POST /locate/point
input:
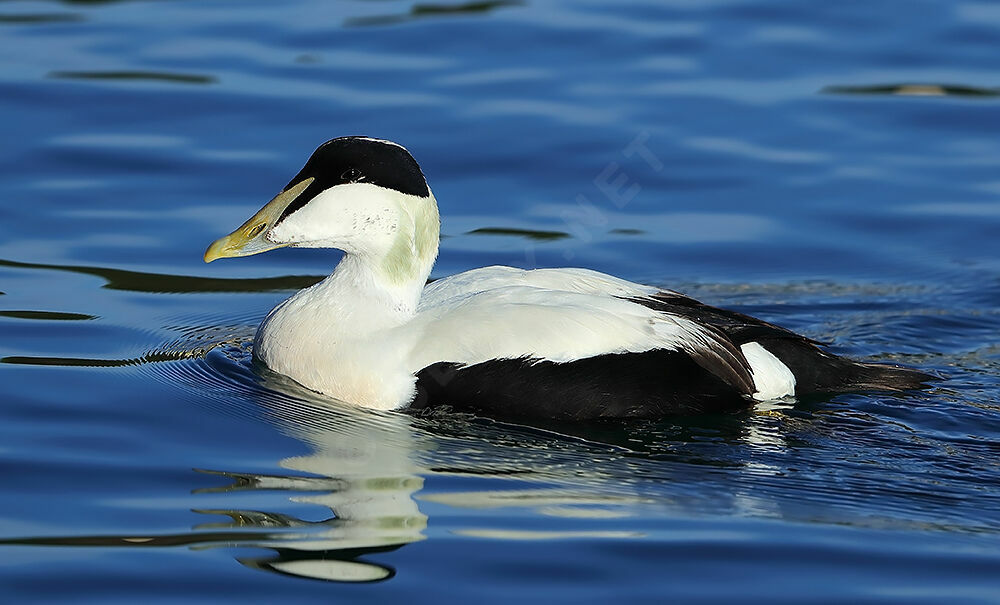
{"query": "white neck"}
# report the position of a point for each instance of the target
(322, 336)
(360, 284)
(380, 284)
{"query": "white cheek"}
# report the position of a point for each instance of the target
(353, 217)
(384, 222)
(279, 234)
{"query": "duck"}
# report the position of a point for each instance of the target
(568, 344)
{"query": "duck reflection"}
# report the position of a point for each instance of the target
(361, 469)
(370, 473)
(367, 468)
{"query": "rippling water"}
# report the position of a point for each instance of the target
(832, 167)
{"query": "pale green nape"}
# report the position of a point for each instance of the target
(414, 248)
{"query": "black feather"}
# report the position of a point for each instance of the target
(358, 159)
(737, 327)
(616, 385)
(815, 370)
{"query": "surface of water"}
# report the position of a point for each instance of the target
(832, 167)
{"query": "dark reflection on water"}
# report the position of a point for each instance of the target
(92, 2)
(39, 18)
(152, 76)
(46, 315)
(418, 11)
(532, 234)
(134, 281)
(88, 363)
(914, 90)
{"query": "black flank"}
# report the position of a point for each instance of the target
(616, 385)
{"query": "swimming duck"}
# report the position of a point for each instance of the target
(569, 344)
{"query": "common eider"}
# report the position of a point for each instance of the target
(570, 344)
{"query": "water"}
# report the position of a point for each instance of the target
(828, 166)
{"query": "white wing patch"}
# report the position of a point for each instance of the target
(772, 379)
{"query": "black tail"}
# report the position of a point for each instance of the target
(883, 377)
(817, 371)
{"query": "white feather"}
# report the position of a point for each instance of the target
(772, 379)
(543, 324)
(585, 281)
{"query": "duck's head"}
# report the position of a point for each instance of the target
(361, 195)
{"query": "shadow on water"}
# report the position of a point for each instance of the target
(531, 234)
(45, 315)
(419, 11)
(93, 2)
(162, 283)
(135, 75)
(88, 362)
(40, 18)
(913, 89)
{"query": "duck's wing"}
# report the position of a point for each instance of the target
(534, 325)
(740, 328)
(583, 281)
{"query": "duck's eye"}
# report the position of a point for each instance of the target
(256, 229)
(351, 175)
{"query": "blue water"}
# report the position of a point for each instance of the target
(832, 167)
